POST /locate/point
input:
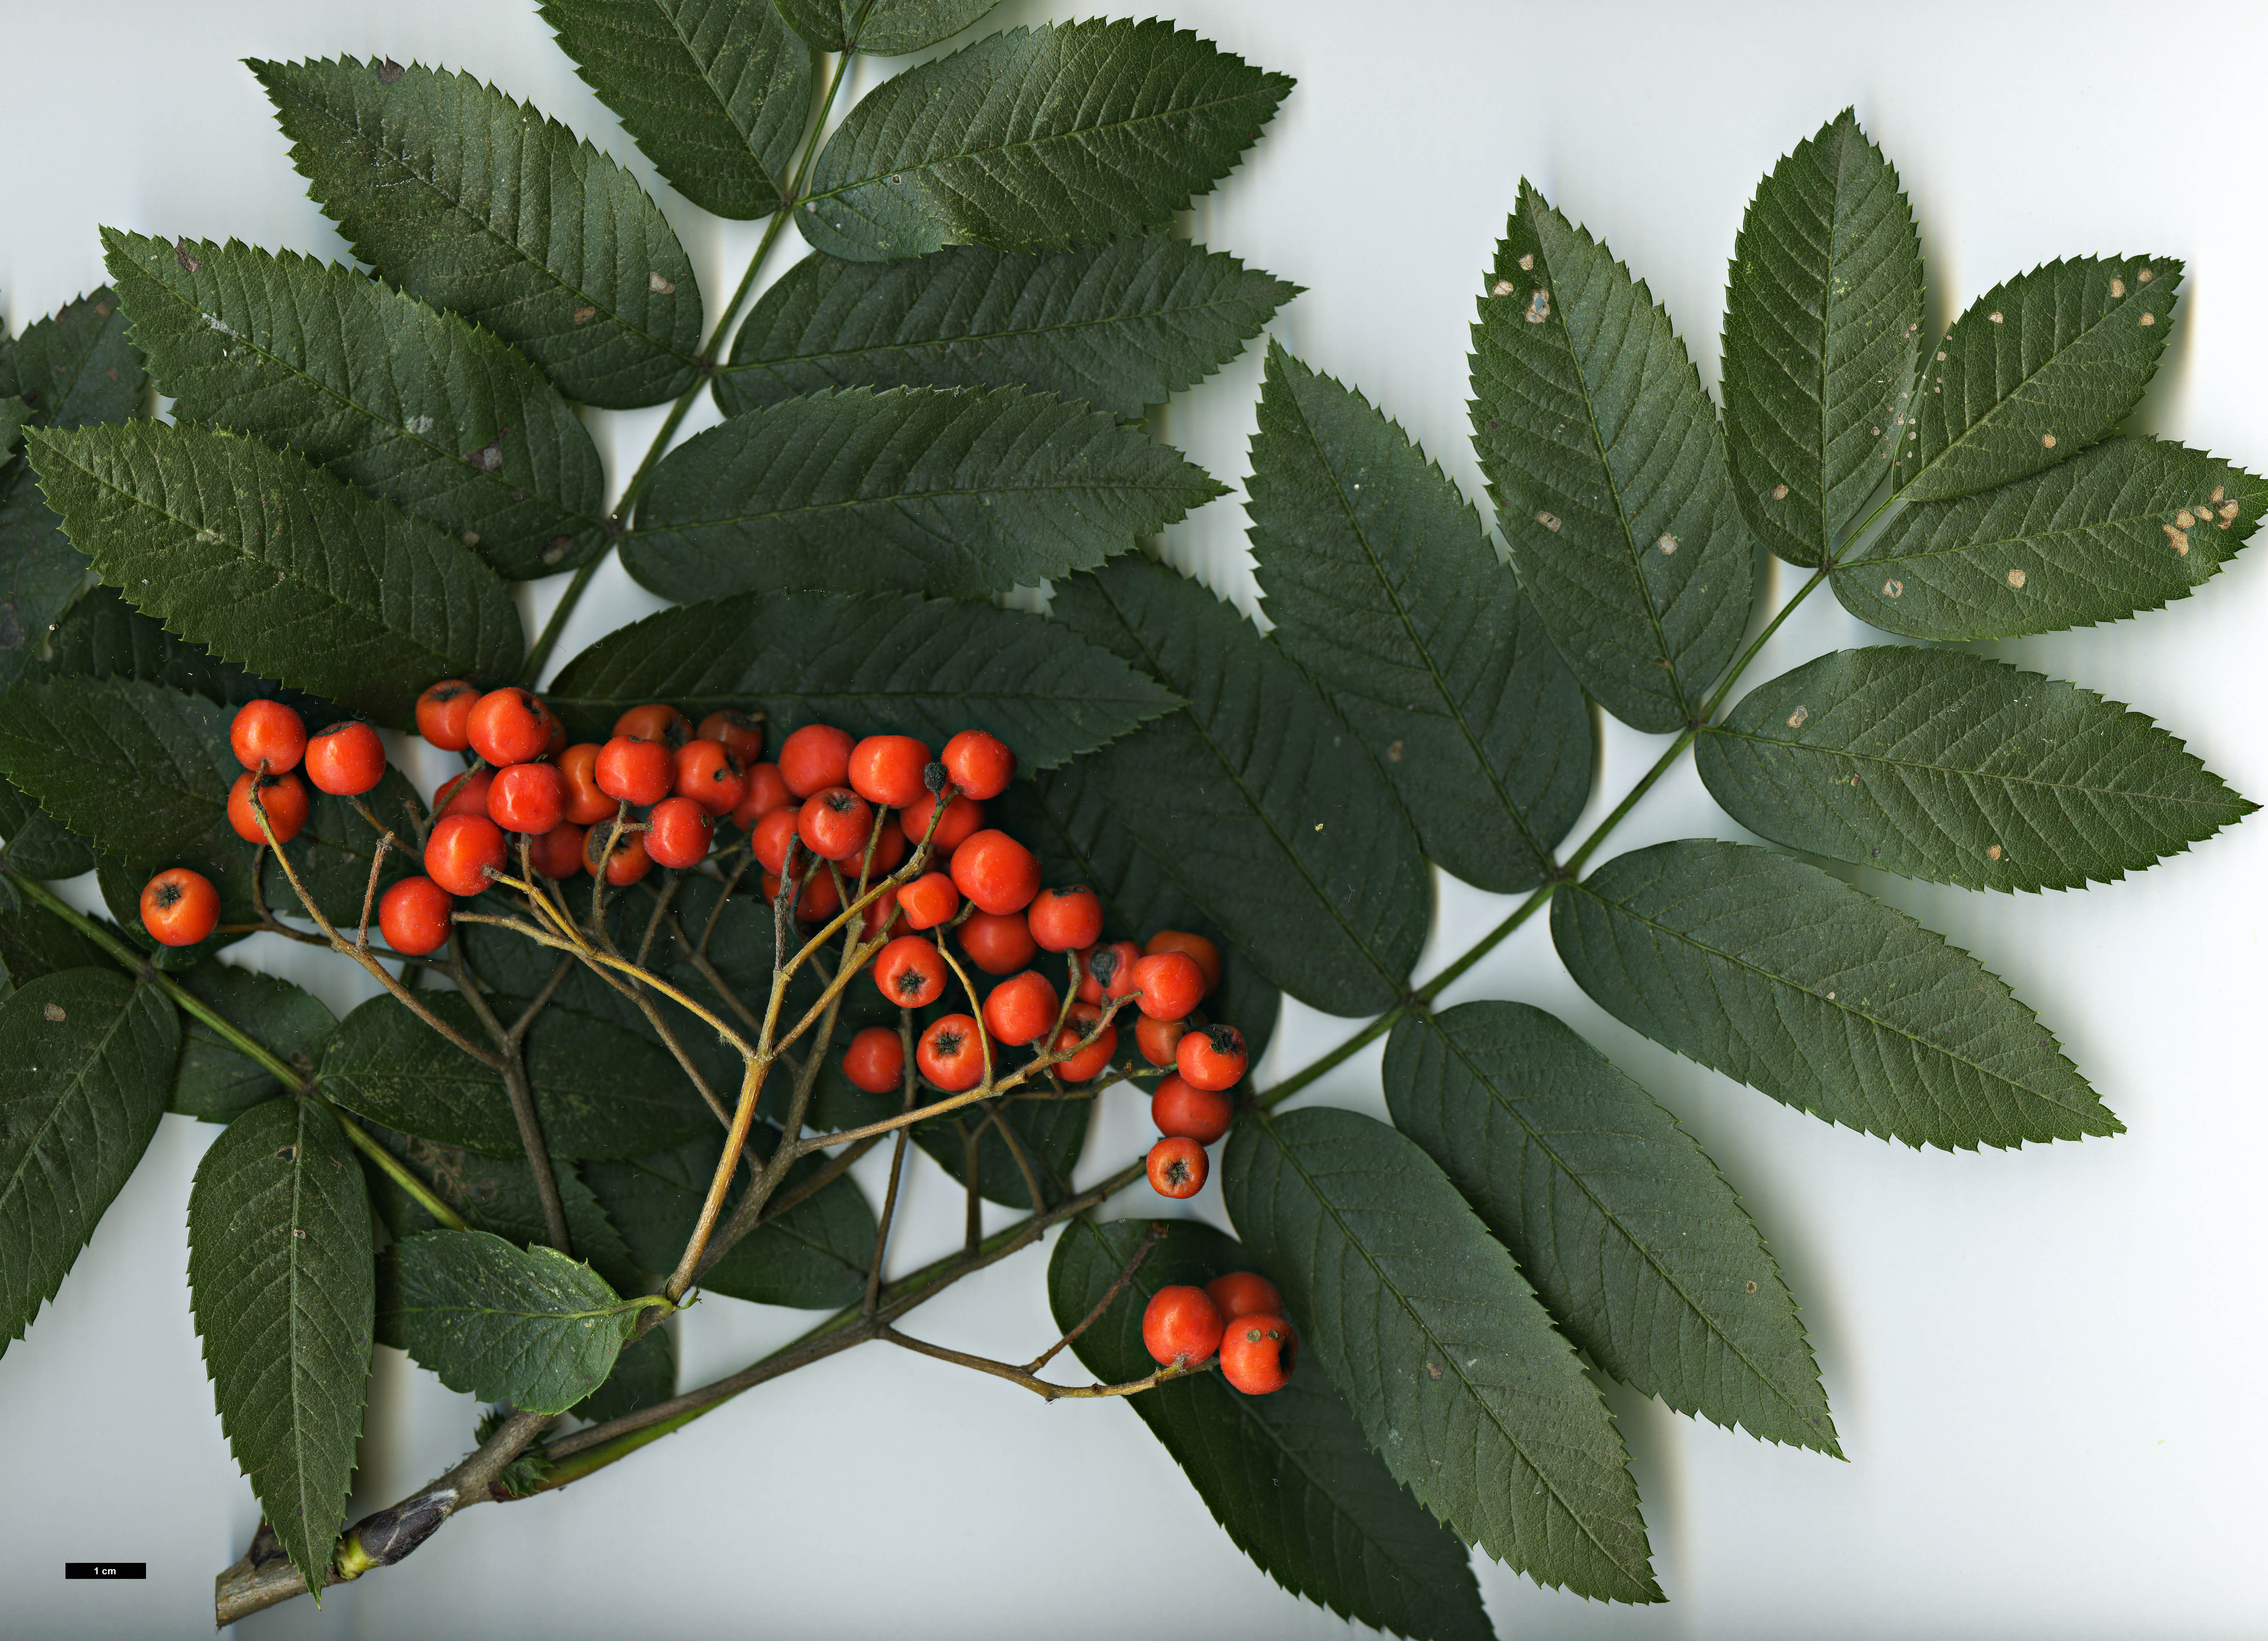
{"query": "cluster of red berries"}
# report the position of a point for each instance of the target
(1240, 1316)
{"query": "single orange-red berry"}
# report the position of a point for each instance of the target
(929, 900)
(951, 1053)
(771, 839)
(711, 776)
(1021, 1010)
(1177, 1167)
(1180, 1111)
(462, 851)
(875, 1061)
(979, 764)
(1170, 984)
(267, 732)
(998, 945)
(466, 794)
(887, 769)
(346, 760)
(626, 865)
(816, 756)
(678, 833)
(180, 906)
(1258, 1352)
(962, 818)
(1081, 1020)
(1182, 1324)
(1107, 972)
(509, 726)
(412, 916)
(558, 853)
(528, 798)
(1205, 954)
(1245, 1293)
(834, 822)
(764, 793)
(742, 732)
(578, 767)
(996, 872)
(910, 972)
(1158, 1039)
(284, 797)
(1213, 1058)
(635, 771)
(1064, 920)
(443, 712)
(659, 722)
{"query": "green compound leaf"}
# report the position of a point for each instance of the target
(1823, 321)
(1288, 1476)
(1606, 466)
(1385, 590)
(1264, 806)
(1426, 1326)
(280, 1280)
(36, 843)
(600, 1091)
(85, 1058)
(813, 1257)
(1036, 140)
(1639, 1248)
(1122, 326)
(412, 404)
(715, 92)
(1959, 769)
(2132, 524)
(2039, 368)
(961, 492)
(527, 1325)
(271, 563)
(1797, 984)
(919, 666)
(881, 28)
(213, 1080)
(1064, 817)
(476, 203)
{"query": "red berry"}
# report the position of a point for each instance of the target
(1182, 1111)
(283, 795)
(1021, 1011)
(1258, 1352)
(509, 726)
(765, 792)
(659, 723)
(1158, 1039)
(1245, 1293)
(875, 1061)
(554, 738)
(1212, 1058)
(1066, 919)
(951, 1054)
(443, 711)
(980, 765)
(180, 906)
(960, 819)
(678, 833)
(834, 823)
(742, 732)
(1107, 972)
(816, 903)
(578, 767)
(626, 865)
(996, 872)
(910, 972)
(346, 760)
(710, 775)
(1088, 1061)
(887, 769)
(817, 755)
(929, 900)
(771, 838)
(1177, 1167)
(1195, 946)
(998, 945)
(1170, 983)
(639, 772)
(269, 730)
(557, 854)
(462, 851)
(466, 794)
(413, 915)
(1181, 1324)
(528, 798)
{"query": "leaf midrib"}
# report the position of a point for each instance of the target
(1536, 1138)
(1541, 855)
(1456, 1367)
(1585, 888)
(497, 480)
(1236, 778)
(404, 164)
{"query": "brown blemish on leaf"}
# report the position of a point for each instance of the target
(189, 264)
(2146, 276)
(1993, 853)
(1393, 753)
(2218, 492)
(1432, 1371)
(54, 1012)
(1527, 263)
(585, 315)
(1548, 521)
(2228, 514)
(1893, 589)
(1667, 544)
(2117, 286)
(2184, 518)
(556, 549)
(1994, 316)
(2181, 543)
(1539, 307)
(1502, 288)
(659, 286)
(471, 538)
(288, 1153)
(1795, 719)
(2015, 577)
(2047, 441)
(1751, 1287)
(2148, 319)
(389, 72)
(1779, 492)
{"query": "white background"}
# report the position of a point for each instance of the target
(2043, 1364)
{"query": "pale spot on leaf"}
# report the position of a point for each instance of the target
(1993, 853)
(1549, 522)
(1539, 307)
(1795, 719)
(2117, 286)
(1502, 288)
(2146, 276)
(2184, 518)
(1893, 589)
(1779, 492)
(1393, 753)
(2047, 441)
(2179, 541)
(585, 315)
(1994, 316)
(2148, 319)
(54, 1012)
(659, 286)
(1527, 263)
(1667, 544)
(2015, 577)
